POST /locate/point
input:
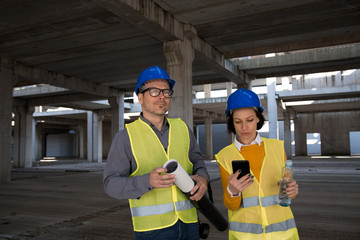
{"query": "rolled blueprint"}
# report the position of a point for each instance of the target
(204, 205)
(182, 178)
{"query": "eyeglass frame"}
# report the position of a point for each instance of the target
(159, 91)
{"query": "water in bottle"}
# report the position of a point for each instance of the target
(287, 177)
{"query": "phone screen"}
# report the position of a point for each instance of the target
(242, 165)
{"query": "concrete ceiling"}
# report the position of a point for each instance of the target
(100, 46)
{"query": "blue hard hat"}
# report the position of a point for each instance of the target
(243, 98)
(152, 73)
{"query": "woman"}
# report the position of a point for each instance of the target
(252, 202)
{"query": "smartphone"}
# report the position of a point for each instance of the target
(242, 165)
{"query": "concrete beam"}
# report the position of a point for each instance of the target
(146, 16)
(60, 99)
(319, 93)
(214, 59)
(244, 50)
(310, 61)
(38, 76)
(152, 19)
(58, 113)
(333, 105)
(61, 120)
(302, 57)
(210, 100)
(213, 115)
(38, 90)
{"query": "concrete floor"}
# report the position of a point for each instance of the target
(66, 201)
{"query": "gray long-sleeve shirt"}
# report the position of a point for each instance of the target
(121, 163)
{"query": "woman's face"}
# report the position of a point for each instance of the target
(245, 123)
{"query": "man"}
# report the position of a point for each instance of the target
(134, 166)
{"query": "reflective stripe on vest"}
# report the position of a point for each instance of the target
(257, 228)
(270, 201)
(281, 226)
(254, 201)
(160, 209)
(246, 227)
(184, 205)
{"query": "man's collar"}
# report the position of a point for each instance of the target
(150, 124)
(239, 145)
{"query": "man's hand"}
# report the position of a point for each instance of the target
(199, 189)
(159, 180)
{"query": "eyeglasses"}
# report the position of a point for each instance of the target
(154, 92)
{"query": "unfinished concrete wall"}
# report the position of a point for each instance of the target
(325, 80)
(334, 129)
(43, 129)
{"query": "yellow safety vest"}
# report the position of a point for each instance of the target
(260, 216)
(161, 207)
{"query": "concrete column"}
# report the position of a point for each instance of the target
(207, 90)
(6, 81)
(38, 141)
(300, 140)
(272, 107)
(29, 137)
(20, 136)
(24, 137)
(208, 138)
(228, 88)
(81, 141)
(90, 136)
(99, 138)
(95, 137)
(77, 142)
(230, 137)
(16, 138)
(43, 140)
(180, 55)
(246, 84)
(287, 134)
(117, 114)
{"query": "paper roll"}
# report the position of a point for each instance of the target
(205, 206)
(182, 178)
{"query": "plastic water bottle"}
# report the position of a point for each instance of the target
(287, 177)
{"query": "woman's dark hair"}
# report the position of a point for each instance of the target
(230, 121)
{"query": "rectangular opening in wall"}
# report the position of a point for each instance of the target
(313, 143)
(60, 145)
(355, 143)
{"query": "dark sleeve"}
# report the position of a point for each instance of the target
(199, 167)
(119, 165)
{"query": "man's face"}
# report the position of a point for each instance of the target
(154, 106)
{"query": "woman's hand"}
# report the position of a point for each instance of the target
(292, 189)
(236, 186)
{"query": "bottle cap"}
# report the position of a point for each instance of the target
(288, 163)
